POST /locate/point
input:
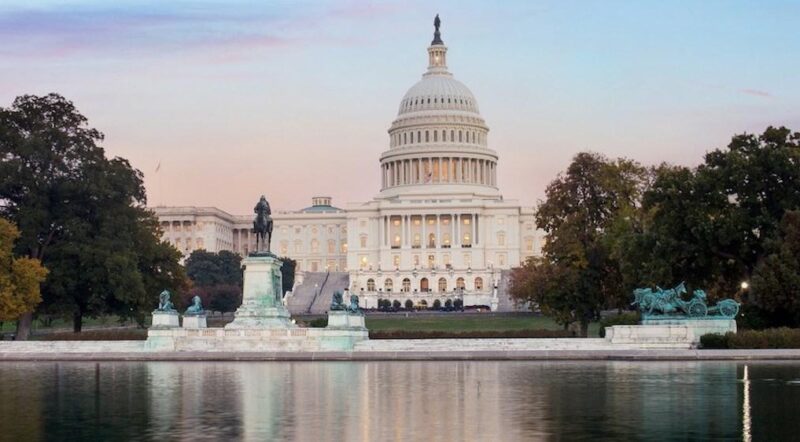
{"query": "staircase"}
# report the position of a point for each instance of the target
(504, 301)
(335, 281)
(303, 295)
(314, 295)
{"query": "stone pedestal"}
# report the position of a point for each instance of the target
(668, 333)
(165, 319)
(262, 305)
(340, 319)
(194, 321)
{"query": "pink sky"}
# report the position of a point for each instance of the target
(294, 99)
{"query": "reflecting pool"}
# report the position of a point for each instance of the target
(431, 401)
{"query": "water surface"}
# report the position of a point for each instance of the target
(431, 401)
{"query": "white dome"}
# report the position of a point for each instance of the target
(438, 92)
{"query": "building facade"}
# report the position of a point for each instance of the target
(439, 227)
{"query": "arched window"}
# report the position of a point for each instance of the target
(501, 238)
(406, 285)
(442, 285)
(370, 285)
(432, 240)
(423, 285)
(388, 285)
(460, 283)
(478, 283)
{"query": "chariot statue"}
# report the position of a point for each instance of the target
(262, 225)
(196, 308)
(164, 303)
(669, 304)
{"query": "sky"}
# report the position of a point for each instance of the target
(293, 99)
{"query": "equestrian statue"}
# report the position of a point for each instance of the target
(262, 226)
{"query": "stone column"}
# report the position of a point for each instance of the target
(457, 230)
(473, 217)
(423, 232)
(438, 231)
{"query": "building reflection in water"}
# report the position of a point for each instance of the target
(432, 401)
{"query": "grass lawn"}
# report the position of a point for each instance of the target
(466, 323)
(61, 323)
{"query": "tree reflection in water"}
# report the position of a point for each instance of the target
(397, 400)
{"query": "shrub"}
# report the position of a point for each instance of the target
(715, 340)
(448, 304)
(318, 322)
(437, 304)
(632, 318)
(754, 339)
(409, 304)
(396, 304)
(458, 303)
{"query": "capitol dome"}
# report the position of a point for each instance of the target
(438, 92)
(438, 142)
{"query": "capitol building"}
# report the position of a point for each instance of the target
(438, 228)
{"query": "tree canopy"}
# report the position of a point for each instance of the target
(82, 214)
(578, 274)
(612, 226)
(20, 278)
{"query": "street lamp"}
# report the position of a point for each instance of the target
(744, 285)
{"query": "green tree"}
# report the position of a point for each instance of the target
(709, 226)
(207, 269)
(579, 274)
(287, 273)
(20, 278)
(83, 215)
(776, 279)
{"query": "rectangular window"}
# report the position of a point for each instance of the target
(396, 260)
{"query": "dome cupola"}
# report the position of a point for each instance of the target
(438, 142)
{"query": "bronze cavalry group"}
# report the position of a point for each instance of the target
(669, 303)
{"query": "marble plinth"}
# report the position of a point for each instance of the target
(668, 333)
(346, 320)
(165, 319)
(194, 321)
(262, 306)
(297, 339)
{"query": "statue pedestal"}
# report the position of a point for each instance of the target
(165, 319)
(346, 320)
(668, 333)
(262, 305)
(194, 321)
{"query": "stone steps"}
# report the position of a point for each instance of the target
(520, 344)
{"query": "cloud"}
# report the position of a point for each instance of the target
(756, 92)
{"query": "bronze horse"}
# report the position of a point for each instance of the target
(262, 225)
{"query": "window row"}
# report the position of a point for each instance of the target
(436, 136)
(314, 247)
(439, 170)
(424, 285)
(438, 102)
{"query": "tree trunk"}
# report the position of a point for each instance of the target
(584, 329)
(77, 321)
(24, 326)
